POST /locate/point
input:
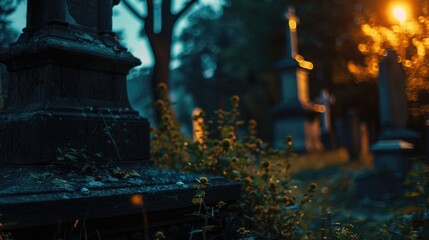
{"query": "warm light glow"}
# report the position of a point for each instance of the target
(400, 14)
(137, 200)
(292, 25)
(319, 108)
(306, 64)
(299, 58)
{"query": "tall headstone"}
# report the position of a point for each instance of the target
(326, 132)
(352, 133)
(396, 142)
(67, 87)
(197, 125)
(295, 113)
(67, 90)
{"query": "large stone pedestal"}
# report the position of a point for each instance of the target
(68, 88)
(294, 115)
(294, 123)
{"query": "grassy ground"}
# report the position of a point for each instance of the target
(336, 200)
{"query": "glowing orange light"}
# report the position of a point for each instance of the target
(137, 200)
(400, 14)
(292, 25)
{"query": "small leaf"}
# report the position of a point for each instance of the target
(412, 209)
(69, 156)
(412, 194)
(112, 179)
(95, 184)
(135, 181)
(34, 175)
(197, 200)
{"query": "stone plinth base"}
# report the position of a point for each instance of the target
(36, 137)
(391, 163)
(298, 123)
(294, 127)
(40, 202)
(391, 156)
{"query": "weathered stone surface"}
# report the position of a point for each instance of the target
(41, 197)
(68, 88)
(391, 88)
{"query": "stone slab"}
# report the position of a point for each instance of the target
(30, 202)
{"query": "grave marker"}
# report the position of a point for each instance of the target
(67, 87)
(396, 142)
(295, 114)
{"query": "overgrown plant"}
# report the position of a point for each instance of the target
(270, 199)
(4, 235)
(412, 220)
(207, 213)
(77, 160)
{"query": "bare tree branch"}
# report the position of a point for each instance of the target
(133, 10)
(184, 9)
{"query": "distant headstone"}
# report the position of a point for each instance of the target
(391, 88)
(295, 114)
(396, 143)
(352, 133)
(197, 125)
(325, 99)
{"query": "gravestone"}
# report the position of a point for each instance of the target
(396, 142)
(67, 87)
(295, 114)
(72, 151)
(352, 133)
(348, 133)
(197, 125)
(326, 100)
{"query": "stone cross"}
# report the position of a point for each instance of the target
(291, 33)
(326, 100)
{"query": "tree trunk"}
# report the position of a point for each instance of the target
(161, 47)
(160, 42)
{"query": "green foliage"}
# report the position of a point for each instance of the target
(270, 198)
(77, 161)
(204, 211)
(4, 235)
(335, 230)
(411, 221)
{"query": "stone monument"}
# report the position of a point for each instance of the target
(326, 100)
(295, 111)
(67, 87)
(73, 154)
(396, 142)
